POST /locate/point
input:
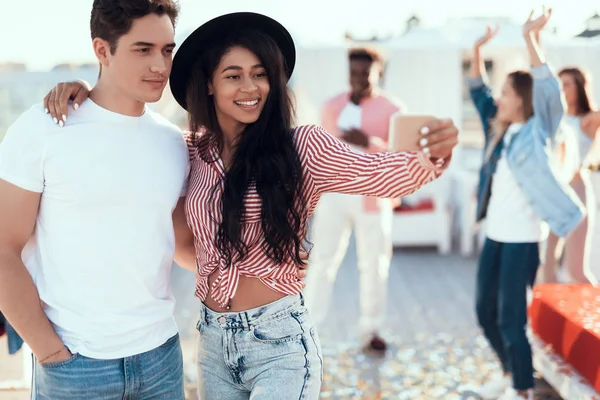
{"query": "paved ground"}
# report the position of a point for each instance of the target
(437, 352)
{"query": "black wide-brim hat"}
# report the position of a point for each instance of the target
(211, 31)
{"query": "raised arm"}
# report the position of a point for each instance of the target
(548, 101)
(334, 167)
(21, 184)
(478, 65)
(481, 93)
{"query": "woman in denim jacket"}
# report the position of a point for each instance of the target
(520, 197)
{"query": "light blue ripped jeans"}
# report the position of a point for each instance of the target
(267, 353)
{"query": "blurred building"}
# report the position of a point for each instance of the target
(10, 66)
(592, 27)
(20, 89)
(426, 69)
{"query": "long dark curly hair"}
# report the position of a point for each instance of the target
(265, 154)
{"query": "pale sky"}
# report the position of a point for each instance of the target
(44, 33)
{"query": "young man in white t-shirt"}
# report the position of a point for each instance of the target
(86, 232)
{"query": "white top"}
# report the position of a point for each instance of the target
(350, 118)
(103, 246)
(510, 217)
(584, 143)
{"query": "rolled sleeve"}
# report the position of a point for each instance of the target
(474, 83)
(437, 166)
(542, 72)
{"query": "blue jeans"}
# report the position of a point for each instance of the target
(267, 353)
(156, 374)
(505, 271)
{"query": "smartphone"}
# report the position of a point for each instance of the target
(404, 134)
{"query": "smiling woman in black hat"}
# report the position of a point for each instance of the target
(255, 180)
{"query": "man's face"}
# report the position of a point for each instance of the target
(141, 64)
(364, 76)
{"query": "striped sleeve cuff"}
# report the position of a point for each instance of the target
(438, 165)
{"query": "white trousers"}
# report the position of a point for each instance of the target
(335, 217)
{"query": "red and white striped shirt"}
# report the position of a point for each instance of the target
(329, 166)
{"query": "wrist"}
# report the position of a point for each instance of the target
(84, 83)
(57, 355)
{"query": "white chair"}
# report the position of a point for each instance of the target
(425, 218)
(472, 234)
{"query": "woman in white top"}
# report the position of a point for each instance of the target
(585, 122)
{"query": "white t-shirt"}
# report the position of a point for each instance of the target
(510, 217)
(103, 245)
(350, 118)
(584, 143)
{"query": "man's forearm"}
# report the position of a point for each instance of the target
(20, 304)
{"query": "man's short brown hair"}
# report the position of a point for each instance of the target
(112, 19)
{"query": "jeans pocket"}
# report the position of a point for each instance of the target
(62, 363)
(300, 313)
(172, 340)
(200, 325)
(280, 330)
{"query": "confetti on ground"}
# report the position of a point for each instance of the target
(443, 366)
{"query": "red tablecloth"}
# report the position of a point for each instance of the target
(425, 205)
(568, 318)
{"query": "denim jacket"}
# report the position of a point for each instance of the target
(529, 153)
(14, 340)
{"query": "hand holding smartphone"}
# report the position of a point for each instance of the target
(405, 131)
